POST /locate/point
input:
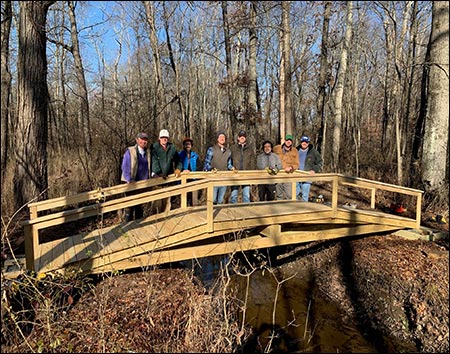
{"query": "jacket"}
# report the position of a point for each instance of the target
(313, 160)
(165, 161)
(243, 157)
(188, 161)
(288, 158)
(134, 166)
(218, 158)
(271, 160)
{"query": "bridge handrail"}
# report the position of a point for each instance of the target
(191, 182)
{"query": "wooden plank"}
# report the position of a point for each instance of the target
(53, 256)
(244, 244)
(150, 247)
(373, 217)
(70, 255)
(271, 231)
(89, 246)
(149, 244)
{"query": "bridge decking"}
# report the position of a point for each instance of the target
(183, 234)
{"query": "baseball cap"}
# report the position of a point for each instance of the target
(142, 136)
(304, 138)
(242, 133)
(163, 133)
(289, 137)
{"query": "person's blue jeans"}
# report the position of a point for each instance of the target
(219, 194)
(303, 189)
(235, 192)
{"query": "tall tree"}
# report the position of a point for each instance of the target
(158, 83)
(30, 178)
(231, 93)
(341, 77)
(435, 139)
(286, 70)
(253, 109)
(323, 78)
(6, 83)
(85, 124)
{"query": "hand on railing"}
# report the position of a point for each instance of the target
(177, 173)
(289, 169)
(234, 169)
(272, 171)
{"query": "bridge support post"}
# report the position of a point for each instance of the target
(334, 197)
(210, 208)
(31, 246)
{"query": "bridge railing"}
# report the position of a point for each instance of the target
(62, 210)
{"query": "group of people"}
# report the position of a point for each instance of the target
(160, 159)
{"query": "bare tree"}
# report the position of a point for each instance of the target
(340, 90)
(6, 83)
(253, 108)
(285, 72)
(435, 139)
(81, 80)
(158, 83)
(323, 79)
(30, 178)
(231, 94)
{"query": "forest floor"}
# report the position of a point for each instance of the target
(397, 289)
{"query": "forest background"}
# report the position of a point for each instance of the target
(367, 81)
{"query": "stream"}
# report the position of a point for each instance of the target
(304, 320)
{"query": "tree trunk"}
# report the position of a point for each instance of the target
(6, 84)
(323, 78)
(435, 140)
(159, 96)
(30, 179)
(85, 124)
(228, 63)
(286, 53)
(253, 111)
(176, 71)
(340, 90)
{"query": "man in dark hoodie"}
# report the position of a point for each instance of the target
(310, 161)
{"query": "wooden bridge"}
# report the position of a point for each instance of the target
(190, 232)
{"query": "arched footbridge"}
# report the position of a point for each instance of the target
(204, 229)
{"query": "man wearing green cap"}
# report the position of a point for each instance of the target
(289, 162)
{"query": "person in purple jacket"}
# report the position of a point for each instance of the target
(136, 166)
